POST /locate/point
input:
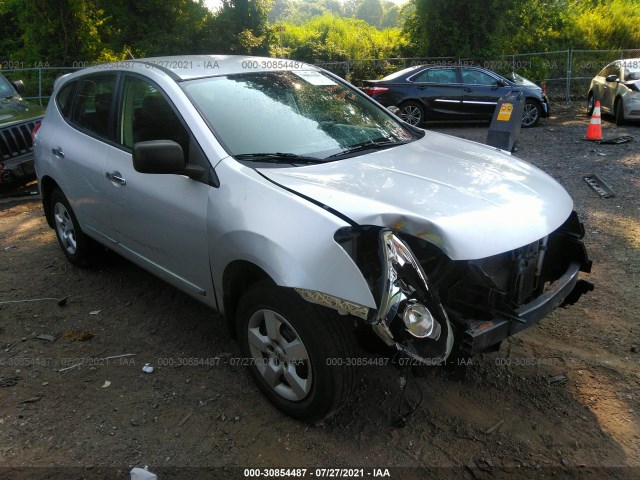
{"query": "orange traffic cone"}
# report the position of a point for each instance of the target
(594, 131)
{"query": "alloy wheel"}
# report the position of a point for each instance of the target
(411, 114)
(64, 227)
(279, 355)
(531, 115)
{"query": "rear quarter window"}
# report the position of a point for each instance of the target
(64, 99)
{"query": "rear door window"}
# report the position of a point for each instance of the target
(93, 103)
(437, 75)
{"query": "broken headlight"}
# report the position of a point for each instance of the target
(410, 316)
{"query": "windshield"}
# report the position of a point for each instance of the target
(305, 113)
(6, 90)
(521, 80)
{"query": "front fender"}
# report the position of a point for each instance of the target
(288, 237)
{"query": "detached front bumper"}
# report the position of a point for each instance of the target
(567, 289)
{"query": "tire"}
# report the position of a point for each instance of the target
(412, 113)
(591, 104)
(531, 114)
(296, 351)
(79, 249)
(618, 111)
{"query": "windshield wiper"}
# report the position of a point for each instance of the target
(277, 157)
(371, 145)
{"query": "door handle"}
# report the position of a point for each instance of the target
(116, 177)
(58, 152)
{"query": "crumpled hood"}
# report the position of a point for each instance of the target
(15, 110)
(470, 200)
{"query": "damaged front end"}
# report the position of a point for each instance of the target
(410, 316)
(430, 305)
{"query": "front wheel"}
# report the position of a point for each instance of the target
(531, 113)
(299, 354)
(412, 113)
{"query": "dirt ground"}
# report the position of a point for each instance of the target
(560, 399)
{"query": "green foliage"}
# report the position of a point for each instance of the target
(177, 26)
(379, 13)
(332, 38)
(485, 28)
(540, 25)
(55, 33)
(68, 32)
(241, 27)
(613, 24)
(464, 28)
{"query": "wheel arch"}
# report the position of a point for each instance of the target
(534, 100)
(237, 278)
(413, 99)
(47, 186)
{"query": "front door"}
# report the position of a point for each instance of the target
(159, 219)
(481, 92)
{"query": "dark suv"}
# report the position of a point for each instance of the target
(17, 120)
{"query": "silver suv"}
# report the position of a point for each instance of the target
(304, 212)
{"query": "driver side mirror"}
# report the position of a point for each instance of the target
(163, 157)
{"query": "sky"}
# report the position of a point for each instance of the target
(214, 4)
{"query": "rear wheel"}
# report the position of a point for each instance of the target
(531, 113)
(619, 112)
(79, 249)
(297, 352)
(412, 113)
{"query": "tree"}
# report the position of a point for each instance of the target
(56, 33)
(540, 25)
(612, 24)
(391, 18)
(178, 26)
(371, 11)
(10, 35)
(242, 27)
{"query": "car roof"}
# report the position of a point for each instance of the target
(188, 67)
(625, 60)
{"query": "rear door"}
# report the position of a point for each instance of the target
(482, 92)
(159, 219)
(440, 90)
(81, 149)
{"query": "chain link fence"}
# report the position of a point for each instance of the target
(565, 74)
(38, 81)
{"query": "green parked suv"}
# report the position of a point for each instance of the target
(17, 120)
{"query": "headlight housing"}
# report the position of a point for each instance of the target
(410, 316)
